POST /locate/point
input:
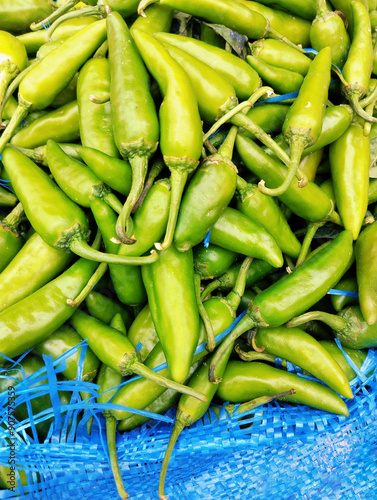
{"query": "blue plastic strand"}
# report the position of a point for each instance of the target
(346, 293)
(206, 239)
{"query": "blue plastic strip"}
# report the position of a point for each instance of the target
(206, 239)
(139, 346)
(346, 293)
(349, 360)
(309, 49)
(48, 24)
(5, 186)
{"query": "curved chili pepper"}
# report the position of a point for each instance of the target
(60, 125)
(303, 123)
(366, 267)
(117, 352)
(348, 326)
(265, 212)
(297, 291)
(358, 357)
(349, 161)
(59, 221)
(245, 381)
(142, 331)
(10, 238)
(79, 182)
(283, 81)
(51, 75)
(213, 261)
(105, 308)
(133, 112)
(178, 113)
(303, 350)
(34, 265)
(114, 172)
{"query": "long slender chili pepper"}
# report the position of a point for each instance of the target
(10, 238)
(366, 266)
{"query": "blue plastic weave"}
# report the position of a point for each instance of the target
(282, 450)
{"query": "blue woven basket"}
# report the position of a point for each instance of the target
(280, 450)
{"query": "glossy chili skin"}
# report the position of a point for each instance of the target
(13, 60)
(307, 10)
(60, 125)
(115, 172)
(95, 117)
(104, 308)
(341, 301)
(213, 261)
(206, 197)
(62, 340)
(349, 161)
(279, 54)
(245, 381)
(157, 18)
(283, 81)
(143, 331)
(34, 318)
(171, 294)
(328, 29)
(308, 202)
(10, 238)
(35, 264)
(239, 74)
(301, 349)
(357, 357)
(7, 199)
(17, 15)
(264, 211)
(366, 271)
(270, 117)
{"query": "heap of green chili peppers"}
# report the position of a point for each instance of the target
(194, 179)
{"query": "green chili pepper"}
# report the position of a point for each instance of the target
(114, 172)
(134, 117)
(213, 261)
(358, 357)
(76, 180)
(349, 160)
(265, 212)
(105, 308)
(303, 350)
(16, 15)
(348, 326)
(279, 54)
(143, 331)
(60, 125)
(10, 238)
(307, 10)
(281, 80)
(358, 67)
(117, 352)
(7, 198)
(340, 301)
(61, 341)
(296, 291)
(13, 60)
(93, 91)
(366, 267)
(157, 18)
(270, 117)
(303, 123)
(59, 221)
(52, 74)
(209, 35)
(178, 113)
(328, 30)
(107, 379)
(35, 264)
(244, 381)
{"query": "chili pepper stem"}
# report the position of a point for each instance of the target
(139, 165)
(100, 271)
(369, 99)
(254, 356)
(335, 322)
(214, 285)
(211, 343)
(14, 85)
(111, 443)
(309, 235)
(67, 5)
(113, 202)
(5, 79)
(157, 167)
(178, 180)
(297, 147)
(234, 297)
(245, 324)
(145, 372)
(354, 101)
(143, 5)
(13, 219)
(83, 12)
(21, 112)
(368, 125)
(254, 403)
(177, 429)
(81, 248)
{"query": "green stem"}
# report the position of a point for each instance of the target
(140, 369)
(100, 271)
(225, 118)
(21, 112)
(368, 125)
(5, 79)
(81, 248)
(241, 183)
(177, 429)
(143, 5)
(227, 147)
(234, 297)
(297, 147)
(369, 99)
(111, 424)
(333, 321)
(214, 285)
(305, 247)
(178, 180)
(55, 15)
(254, 403)
(155, 170)
(322, 8)
(139, 165)
(113, 202)
(14, 218)
(254, 356)
(355, 103)
(245, 324)
(211, 343)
